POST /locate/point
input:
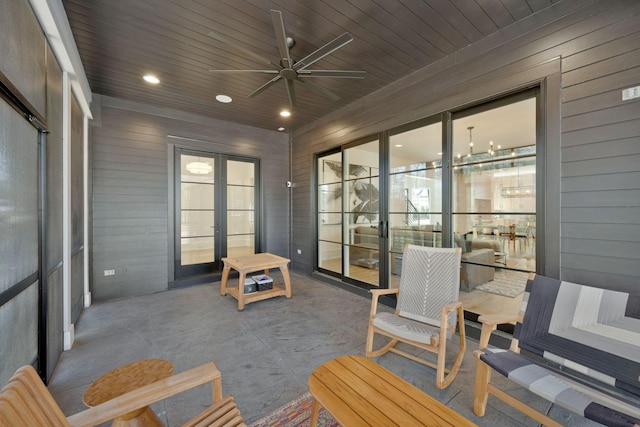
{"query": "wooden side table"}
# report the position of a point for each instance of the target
(358, 392)
(251, 263)
(125, 379)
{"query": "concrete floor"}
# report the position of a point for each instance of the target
(265, 353)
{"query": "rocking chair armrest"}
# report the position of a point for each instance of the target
(146, 395)
(444, 317)
(451, 307)
(376, 293)
(444, 314)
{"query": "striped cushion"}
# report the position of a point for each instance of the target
(562, 391)
(590, 330)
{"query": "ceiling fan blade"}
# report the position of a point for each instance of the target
(281, 37)
(291, 93)
(332, 73)
(264, 86)
(245, 71)
(235, 45)
(325, 50)
(327, 93)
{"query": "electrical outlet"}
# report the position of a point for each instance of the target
(111, 272)
(630, 93)
(299, 251)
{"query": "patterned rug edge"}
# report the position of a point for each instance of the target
(296, 413)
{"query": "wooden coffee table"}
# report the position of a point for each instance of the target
(249, 264)
(127, 378)
(358, 392)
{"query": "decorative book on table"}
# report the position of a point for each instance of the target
(250, 286)
(263, 281)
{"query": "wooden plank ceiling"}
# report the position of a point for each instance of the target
(179, 41)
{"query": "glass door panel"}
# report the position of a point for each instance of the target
(361, 213)
(241, 202)
(494, 194)
(330, 212)
(415, 192)
(197, 211)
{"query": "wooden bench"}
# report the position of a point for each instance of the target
(359, 392)
(576, 346)
(25, 401)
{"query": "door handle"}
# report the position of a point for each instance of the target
(382, 229)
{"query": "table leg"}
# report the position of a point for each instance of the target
(216, 391)
(314, 412)
(142, 417)
(287, 280)
(223, 281)
(241, 290)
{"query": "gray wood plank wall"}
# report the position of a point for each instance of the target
(597, 207)
(131, 145)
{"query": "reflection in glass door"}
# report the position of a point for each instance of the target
(361, 212)
(215, 211)
(415, 192)
(349, 213)
(468, 183)
(494, 198)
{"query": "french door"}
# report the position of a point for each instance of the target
(215, 210)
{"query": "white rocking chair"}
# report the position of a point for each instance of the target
(426, 311)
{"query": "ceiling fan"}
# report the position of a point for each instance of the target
(289, 70)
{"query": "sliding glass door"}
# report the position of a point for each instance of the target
(215, 211)
(494, 194)
(463, 179)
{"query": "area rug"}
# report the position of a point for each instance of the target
(295, 413)
(507, 283)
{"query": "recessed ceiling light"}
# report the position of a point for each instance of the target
(398, 145)
(439, 154)
(224, 99)
(280, 128)
(285, 113)
(151, 79)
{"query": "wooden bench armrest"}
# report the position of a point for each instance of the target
(489, 324)
(145, 396)
(499, 319)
